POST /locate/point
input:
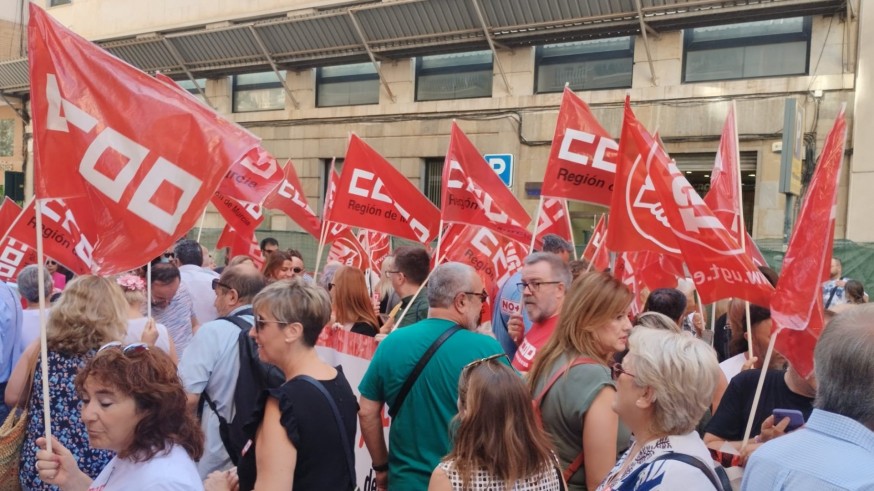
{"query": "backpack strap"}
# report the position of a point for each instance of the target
(350, 460)
(686, 459)
(414, 375)
(578, 462)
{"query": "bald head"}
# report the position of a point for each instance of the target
(245, 279)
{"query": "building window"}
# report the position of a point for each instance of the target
(454, 76)
(585, 65)
(258, 92)
(191, 87)
(432, 183)
(347, 85)
(55, 3)
(767, 48)
(7, 137)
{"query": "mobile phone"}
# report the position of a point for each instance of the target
(796, 419)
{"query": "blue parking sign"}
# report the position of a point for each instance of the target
(502, 163)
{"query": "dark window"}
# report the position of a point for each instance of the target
(454, 76)
(55, 3)
(347, 85)
(585, 65)
(192, 88)
(258, 92)
(432, 183)
(7, 137)
(767, 48)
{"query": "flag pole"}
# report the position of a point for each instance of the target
(536, 222)
(149, 290)
(598, 249)
(369, 262)
(570, 227)
(415, 295)
(758, 391)
(321, 249)
(200, 228)
(43, 340)
(439, 240)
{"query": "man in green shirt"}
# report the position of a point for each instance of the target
(411, 270)
(419, 434)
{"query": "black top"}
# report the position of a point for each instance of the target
(364, 328)
(730, 419)
(312, 428)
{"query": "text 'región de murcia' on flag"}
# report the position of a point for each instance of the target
(582, 160)
(797, 308)
(290, 199)
(146, 168)
(372, 194)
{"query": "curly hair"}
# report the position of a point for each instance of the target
(150, 378)
(91, 312)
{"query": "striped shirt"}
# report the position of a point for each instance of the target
(177, 317)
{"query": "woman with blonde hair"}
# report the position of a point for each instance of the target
(510, 452)
(140, 327)
(570, 379)
(353, 310)
(663, 387)
(91, 312)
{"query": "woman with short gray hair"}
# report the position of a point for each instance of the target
(28, 286)
(663, 387)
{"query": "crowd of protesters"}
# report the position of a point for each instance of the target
(214, 381)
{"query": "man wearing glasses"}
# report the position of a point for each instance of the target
(419, 434)
(211, 362)
(411, 265)
(545, 280)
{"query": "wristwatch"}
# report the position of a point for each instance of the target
(381, 467)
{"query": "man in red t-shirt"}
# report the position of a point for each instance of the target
(545, 281)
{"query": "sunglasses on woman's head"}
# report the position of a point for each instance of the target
(131, 349)
(476, 363)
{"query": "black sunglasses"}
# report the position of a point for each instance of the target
(217, 283)
(259, 323)
(131, 349)
(616, 370)
(169, 255)
(297, 270)
(483, 296)
(487, 359)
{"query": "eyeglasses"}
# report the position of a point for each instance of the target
(483, 296)
(479, 362)
(217, 283)
(331, 286)
(616, 370)
(50, 262)
(131, 349)
(388, 273)
(533, 285)
(169, 255)
(297, 270)
(259, 323)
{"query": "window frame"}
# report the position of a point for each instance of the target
(256, 86)
(458, 69)
(345, 79)
(426, 179)
(690, 45)
(541, 60)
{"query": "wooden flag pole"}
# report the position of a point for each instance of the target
(149, 290)
(536, 221)
(598, 249)
(570, 227)
(200, 228)
(369, 262)
(43, 343)
(758, 391)
(322, 236)
(439, 240)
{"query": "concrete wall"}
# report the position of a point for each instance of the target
(861, 166)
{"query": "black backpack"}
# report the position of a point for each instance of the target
(255, 376)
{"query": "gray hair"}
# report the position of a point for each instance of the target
(556, 245)
(561, 270)
(844, 365)
(28, 283)
(657, 320)
(328, 272)
(295, 300)
(682, 372)
(447, 281)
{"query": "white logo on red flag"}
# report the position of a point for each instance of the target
(252, 178)
(553, 219)
(144, 168)
(596, 252)
(289, 198)
(241, 216)
(241, 244)
(582, 161)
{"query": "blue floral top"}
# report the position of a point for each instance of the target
(67, 425)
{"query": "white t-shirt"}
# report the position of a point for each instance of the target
(732, 366)
(135, 328)
(30, 327)
(198, 281)
(172, 471)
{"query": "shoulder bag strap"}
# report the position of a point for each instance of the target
(204, 396)
(686, 459)
(350, 460)
(578, 462)
(831, 296)
(414, 375)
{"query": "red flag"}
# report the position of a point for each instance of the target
(241, 216)
(637, 220)
(474, 194)
(14, 254)
(797, 308)
(144, 168)
(241, 244)
(553, 218)
(9, 211)
(718, 265)
(63, 236)
(252, 178)
(596, 252)
(347, 249)
(372, 194)
(582, 160)
(657, 270)
(724, 196)
(378, 246)
(625, 272)
(289, 198)
(495, 257)
(334, 230)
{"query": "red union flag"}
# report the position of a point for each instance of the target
(145, 168)
(797, 308)
(289, 198)
(494, 256)
(252, 178)
(637, 219)
(334, 230)
(474, 194)
(596, 252)
(626, 272)
(553, 218)
(9, 210)
(241, 216)
(372, 194)
(582, 161)
(63, 234)
(378, 246)
(724, 196)
(347, 250)
(241, 244)
(14, 254)
(719, 267)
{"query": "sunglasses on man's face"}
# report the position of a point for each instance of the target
(297, 270)
(169, 255)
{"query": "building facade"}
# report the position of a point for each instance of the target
(303, 75)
